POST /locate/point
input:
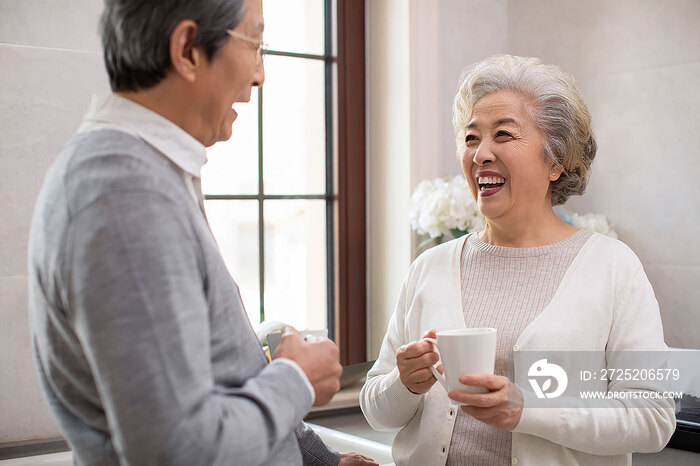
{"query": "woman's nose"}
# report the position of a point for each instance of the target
(483, 155)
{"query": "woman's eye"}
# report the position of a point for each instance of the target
(503, 135)
(470, 138)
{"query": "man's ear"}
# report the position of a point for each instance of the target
(184, 56)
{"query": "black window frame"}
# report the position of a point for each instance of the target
(345, 185)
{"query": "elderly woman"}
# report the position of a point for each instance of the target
(525, 142)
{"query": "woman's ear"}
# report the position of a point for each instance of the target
(184, 56)
(555, 172)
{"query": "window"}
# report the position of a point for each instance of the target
(282, 195)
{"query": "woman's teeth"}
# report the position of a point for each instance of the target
(490, 179)
(490, 182)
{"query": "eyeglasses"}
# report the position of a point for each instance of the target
(260, 45)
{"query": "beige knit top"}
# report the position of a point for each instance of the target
(504, 288)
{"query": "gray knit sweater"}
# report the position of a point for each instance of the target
(144, 350)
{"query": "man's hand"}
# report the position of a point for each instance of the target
(501, 407)
(352, 459)
(414, 361)
(318, 360)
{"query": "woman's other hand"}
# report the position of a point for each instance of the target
(501, 407)
(414, 361)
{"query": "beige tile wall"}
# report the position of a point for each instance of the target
(63, 24)
(50, 67)
(638, 64)
(469, 32)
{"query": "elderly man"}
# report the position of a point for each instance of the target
(143, 346)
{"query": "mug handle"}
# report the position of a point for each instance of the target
(440, 378)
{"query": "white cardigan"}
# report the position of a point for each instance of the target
(604, 303)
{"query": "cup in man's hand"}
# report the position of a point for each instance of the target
(310, 336)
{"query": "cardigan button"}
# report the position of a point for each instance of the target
(516, 348)
(514, 460)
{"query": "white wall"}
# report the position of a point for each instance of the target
(388, 157)
(638, 65)
(50, 67)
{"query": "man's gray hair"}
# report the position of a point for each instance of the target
(136, 35)
(555, 104)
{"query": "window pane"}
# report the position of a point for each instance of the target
(232, 166)
(294, 134)
(294, 25)
(295, 263)
(235, 227)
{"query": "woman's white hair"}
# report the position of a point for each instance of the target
(555, 104)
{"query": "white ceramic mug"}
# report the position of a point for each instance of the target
(464, 351)
(274, 338)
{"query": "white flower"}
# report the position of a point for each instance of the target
(592, 222)
(441, 205)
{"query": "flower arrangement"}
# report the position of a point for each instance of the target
(444, 207)
(597, 223)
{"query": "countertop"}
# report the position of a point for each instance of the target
(354, 423)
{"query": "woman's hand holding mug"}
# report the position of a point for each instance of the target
(501, 407)
(414, 361)
(469, 356)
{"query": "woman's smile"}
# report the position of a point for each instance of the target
(489, 183)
